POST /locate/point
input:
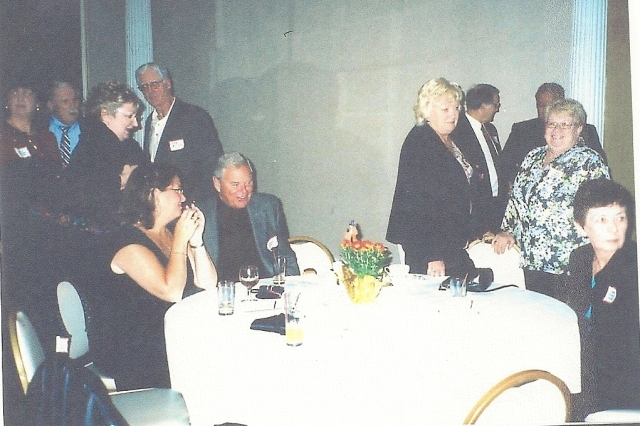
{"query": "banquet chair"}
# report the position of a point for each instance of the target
(25, 345)
(506, 267)
(401, 253)
(154, 406)
(527, 397)
(311, 254)
(73, 312)
(65, 393)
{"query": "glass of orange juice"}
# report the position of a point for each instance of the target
(294, 332)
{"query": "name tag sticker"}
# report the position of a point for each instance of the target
(176, 145)
(23, 152)
(610, 296)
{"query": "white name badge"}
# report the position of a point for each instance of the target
(23, 152)
(176, 145)
(611, 295)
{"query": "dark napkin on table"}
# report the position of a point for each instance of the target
(270, 292)
(274, 324)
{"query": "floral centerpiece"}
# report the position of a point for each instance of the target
(363, 265)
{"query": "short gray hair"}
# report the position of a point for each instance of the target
(162, 71)
(231, 160)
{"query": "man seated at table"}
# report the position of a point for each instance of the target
(240, 222)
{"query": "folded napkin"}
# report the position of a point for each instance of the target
(274, 324)
(270, 292)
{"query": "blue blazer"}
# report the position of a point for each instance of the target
(267, 220)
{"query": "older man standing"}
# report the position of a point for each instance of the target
(240, 222)
(178, 133)
(478, 140)
(64, 104)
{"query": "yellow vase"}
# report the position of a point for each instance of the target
(360, 289)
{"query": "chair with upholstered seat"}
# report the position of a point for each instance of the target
(73, 313)
(526, 397)
(506, 267)
(26, 347)
(161, 407)
(311, 254)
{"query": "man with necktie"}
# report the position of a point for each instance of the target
(478, 139)
(64, 104)
(178, 133)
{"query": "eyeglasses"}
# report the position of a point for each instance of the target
(150, 85)
(130, 115)
(178, 190)
(563, 126)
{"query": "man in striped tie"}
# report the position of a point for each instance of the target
(64, 104)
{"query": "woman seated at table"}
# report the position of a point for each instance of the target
(146, 268)
(602, 288)
(431, 214)
(539, 212)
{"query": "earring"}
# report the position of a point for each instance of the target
(37, 108)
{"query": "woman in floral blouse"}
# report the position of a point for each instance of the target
(539, 215)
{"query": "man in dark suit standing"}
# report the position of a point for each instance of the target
(529, 134)
(178, 133)
(479, 142)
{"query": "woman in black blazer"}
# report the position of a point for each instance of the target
(432, 208)
(602, 288)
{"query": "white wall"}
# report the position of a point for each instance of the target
(323, 111)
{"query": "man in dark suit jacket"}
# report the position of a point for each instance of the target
(241, 224)
(178, 133)
(479, 142)
(529, 134)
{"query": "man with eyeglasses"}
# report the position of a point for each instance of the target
(529, 134)
(178, 133)
(478, 139)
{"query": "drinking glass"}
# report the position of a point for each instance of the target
(249, 277)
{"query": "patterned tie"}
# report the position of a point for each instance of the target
(495, 151)
(65, 146)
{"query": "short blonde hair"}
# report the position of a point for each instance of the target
(570, 106)
(432, 90)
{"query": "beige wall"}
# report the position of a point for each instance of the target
(324, 109)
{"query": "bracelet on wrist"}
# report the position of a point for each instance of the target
(196, 247)
(179, 252)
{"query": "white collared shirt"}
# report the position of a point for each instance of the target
(157, 127)
(493, 174)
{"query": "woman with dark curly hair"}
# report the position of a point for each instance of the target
(143, 268)
(105, 154)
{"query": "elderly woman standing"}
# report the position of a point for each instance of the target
(539, 214)
(29, 161)
(105, 154)
(432, 206)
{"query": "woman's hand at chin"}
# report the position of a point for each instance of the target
(196, 239)
(187, 225)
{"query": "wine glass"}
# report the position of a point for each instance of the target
(249, 277)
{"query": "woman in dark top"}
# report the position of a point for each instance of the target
(29, 161)
(105, 155)
(432, 208)
(145, 269)
(602, 288)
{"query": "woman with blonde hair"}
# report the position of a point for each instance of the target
(432, 206)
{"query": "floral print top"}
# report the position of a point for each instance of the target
(540, 210)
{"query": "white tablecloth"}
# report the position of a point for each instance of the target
(402, 360)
